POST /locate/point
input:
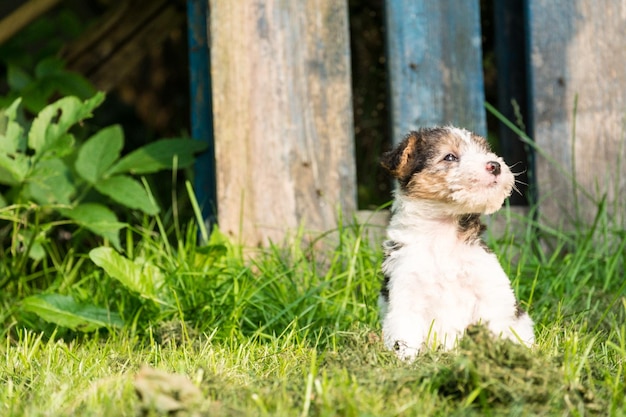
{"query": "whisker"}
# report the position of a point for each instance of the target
(517, 173)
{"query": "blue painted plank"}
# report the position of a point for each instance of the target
(201, 108)
(435, 64)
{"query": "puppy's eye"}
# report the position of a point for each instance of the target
(450, 158)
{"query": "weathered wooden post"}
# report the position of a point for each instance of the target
(578, 56)
(282, 116)
(435, 65)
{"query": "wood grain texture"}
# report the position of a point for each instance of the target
(435, 65)
(578, 53)
(282, 116)
(111, 49)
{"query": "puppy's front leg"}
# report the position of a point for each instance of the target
(404, 332)
(522, 329)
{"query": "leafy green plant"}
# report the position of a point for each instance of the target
(30, 61)
(65, 311)
(38, 85)
(50, 179)
(45, 165)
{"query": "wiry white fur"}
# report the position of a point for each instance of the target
(438, 283)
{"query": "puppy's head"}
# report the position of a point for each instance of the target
(451, 166)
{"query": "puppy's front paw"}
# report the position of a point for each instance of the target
(405, 352)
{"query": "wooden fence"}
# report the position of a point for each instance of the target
(578, 90)
(282, 112)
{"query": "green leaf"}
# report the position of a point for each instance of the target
(33, 242)
(49, 66)
(127, 192)
(12, 138)
(13, 171)
(17, 78)
(50, 182)
(158, 156)
(97, 219)
(99, 152)
(70, 83)
(141, 277)
(36, 95)
(49, 129)
(65, 311)
(14, 164)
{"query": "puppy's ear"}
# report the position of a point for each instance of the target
(405, 159)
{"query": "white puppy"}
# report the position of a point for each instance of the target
(439, 276)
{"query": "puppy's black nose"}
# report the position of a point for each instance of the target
(493, 167)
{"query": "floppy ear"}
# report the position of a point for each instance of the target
(404, 160)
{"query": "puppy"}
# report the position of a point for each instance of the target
(439, 277)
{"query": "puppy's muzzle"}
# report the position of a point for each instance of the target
(493, 167)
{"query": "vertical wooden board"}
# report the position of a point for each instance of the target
(577, 54)
(435, 65)
(201, 108)
(282, 116)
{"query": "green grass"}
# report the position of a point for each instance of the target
(293, 331)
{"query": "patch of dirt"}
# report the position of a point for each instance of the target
(169, 394)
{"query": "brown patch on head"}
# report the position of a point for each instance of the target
(405, 158)
(412, 154)
(429, 184)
